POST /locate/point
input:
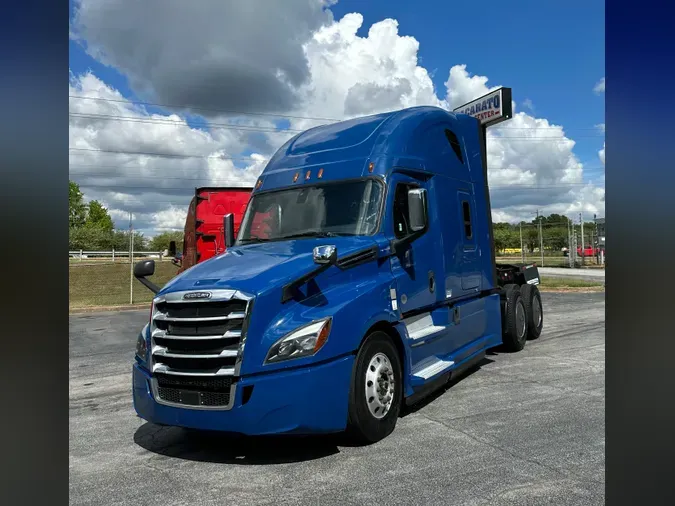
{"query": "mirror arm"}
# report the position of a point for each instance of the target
(146, 268)
(401, 243)
(148, 284)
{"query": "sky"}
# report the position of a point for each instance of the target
(166, 95)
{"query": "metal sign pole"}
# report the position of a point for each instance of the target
(131, 261)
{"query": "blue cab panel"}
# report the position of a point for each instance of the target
(263, 339)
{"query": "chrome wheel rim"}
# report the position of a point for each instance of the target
(379, 385)
(520, 319)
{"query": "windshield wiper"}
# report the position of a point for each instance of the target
(252, 240)
(315, 233)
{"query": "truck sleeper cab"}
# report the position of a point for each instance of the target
(363, 276)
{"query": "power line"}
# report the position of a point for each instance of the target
(162, 155)
(237, 182)
(177, 155)
(181, 123)
(252, 128)
(243, 158)
(206, 109)
(261, 114)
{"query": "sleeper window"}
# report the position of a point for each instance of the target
(454, 143)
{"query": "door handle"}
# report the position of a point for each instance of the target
(432, 282)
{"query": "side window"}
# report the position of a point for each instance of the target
(466, 212)
(454, 143)
(401, 224)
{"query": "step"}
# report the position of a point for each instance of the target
(431, 367)
(421, 326)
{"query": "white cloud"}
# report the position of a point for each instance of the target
(601, 154)
(600, 127)
(527, 103)
(353, 76)
(532, 162)
(600, 86)
(105, 134)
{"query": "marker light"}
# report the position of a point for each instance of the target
(320, 174)
(258, 184)
(296, 176)
(303, 342)
(371, 166)
(309, 172)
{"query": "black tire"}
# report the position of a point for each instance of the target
(506, 289)
(515, 320)
(533, 309)
(362, 426)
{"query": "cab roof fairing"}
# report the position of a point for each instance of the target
(388, 140)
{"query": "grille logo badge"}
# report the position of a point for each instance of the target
(197, 295)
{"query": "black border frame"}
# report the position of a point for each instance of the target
(507, 106)
(639, 365)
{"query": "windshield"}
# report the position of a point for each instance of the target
(332, 209)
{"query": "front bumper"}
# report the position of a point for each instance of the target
(301, 401)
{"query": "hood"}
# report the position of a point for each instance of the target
(257, 268)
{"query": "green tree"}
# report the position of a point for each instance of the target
(161, 241)
(77, 209)
(555, 238)
(98, 217)
(121, 240)
(499, 235)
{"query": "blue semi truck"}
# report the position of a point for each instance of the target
(362, 278)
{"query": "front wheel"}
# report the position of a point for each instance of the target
(376, 389)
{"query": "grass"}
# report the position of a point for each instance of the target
(103, 285)
(549, 260)
(569, 284)
(108, 284)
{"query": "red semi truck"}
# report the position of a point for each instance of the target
(204, 235)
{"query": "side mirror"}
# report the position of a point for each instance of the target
(417, 209)
(325, 255)
(228, 229)
(172, 248)
(146, 268)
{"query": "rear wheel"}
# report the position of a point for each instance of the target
(376, 389)
(533, 310)
(515, 320)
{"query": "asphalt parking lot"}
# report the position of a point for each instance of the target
(525, 428)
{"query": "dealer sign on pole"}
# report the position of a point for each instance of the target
(490, 109)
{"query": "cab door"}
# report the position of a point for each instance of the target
(414, 265)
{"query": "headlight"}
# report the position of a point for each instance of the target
(142, 345)
(302, 342)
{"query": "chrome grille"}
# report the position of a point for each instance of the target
(197, 347)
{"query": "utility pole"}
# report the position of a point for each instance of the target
(541, 240)
(574, 244)
(522, 250)
(583, 250)
(569, 244)
(131, 260)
